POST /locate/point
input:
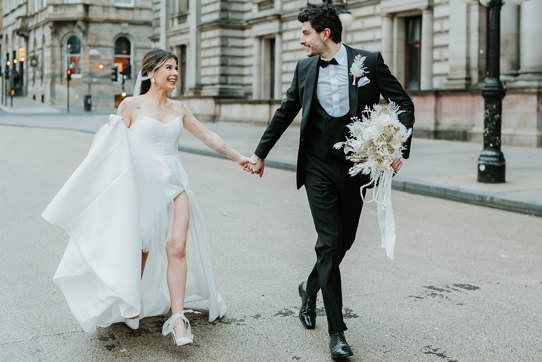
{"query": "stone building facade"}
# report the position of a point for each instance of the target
(48, 37)
(238, 57)
(2, 61)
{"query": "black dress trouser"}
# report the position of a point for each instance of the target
(335, 203)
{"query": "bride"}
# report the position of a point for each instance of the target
(138, 244)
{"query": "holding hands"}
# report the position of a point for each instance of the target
(255, 166)
(245, 162)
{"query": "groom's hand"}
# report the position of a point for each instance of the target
(397, 164)
(257, 167)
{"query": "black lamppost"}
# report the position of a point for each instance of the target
(491, 163)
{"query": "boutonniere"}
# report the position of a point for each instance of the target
(358, 69)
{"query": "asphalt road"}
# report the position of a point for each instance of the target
(466, 284)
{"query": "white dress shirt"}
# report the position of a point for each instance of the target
(332, 88)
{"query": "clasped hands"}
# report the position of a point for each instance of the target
(256, 165)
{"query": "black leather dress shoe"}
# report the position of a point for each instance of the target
(338, 347)
(307, 312)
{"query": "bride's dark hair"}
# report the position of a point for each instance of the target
(152, 60)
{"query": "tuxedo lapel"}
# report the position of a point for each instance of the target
(352, 88)
(311, 78)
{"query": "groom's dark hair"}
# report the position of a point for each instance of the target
(323, 16)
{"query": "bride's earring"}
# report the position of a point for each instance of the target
(153, 80)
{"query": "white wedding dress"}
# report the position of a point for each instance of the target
(117, 203)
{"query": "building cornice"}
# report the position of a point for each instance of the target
(397, 6)
(178, 31)
(222, 24)
(261, 19)
(73, 13)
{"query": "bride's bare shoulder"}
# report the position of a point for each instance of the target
(128, 108)
(179, 107)
(125, 106)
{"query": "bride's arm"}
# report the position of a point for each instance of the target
(125, 111)
(210, 139)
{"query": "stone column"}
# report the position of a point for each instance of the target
(426, 63)
(509, 39)
(458, 76)
(278, 67)
(399, 49)
(256, 68)
(531, 30)
(387, 41)
(52, 53)
(193, 49)
(163, 24)
(477, 41)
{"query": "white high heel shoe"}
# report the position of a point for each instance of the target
(169, 327)
(132, 322)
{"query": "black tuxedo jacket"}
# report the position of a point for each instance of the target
(301, 93)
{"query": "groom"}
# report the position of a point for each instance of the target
(325, 89)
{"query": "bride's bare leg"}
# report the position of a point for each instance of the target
(176, 257)
(144, 256)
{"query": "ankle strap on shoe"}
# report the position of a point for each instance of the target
(172, 321)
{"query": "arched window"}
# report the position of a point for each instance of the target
(123, 56)
(73, 56)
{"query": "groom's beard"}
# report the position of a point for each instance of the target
(316, 49)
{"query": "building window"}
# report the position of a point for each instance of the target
(266, 5)
(413, 52)
(126, 3)
(73, 56)
(183, 6)
(182, 69)
(268, 68)
(123, 56)
(180, 13)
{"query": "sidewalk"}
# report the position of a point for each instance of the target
(438, 168)
(24, 105)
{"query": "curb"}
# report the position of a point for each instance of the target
(480, 198)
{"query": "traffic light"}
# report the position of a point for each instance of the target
(115, 74)
(68, 75)
(127, 70)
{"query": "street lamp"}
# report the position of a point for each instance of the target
(342, 8)
(491, 162)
